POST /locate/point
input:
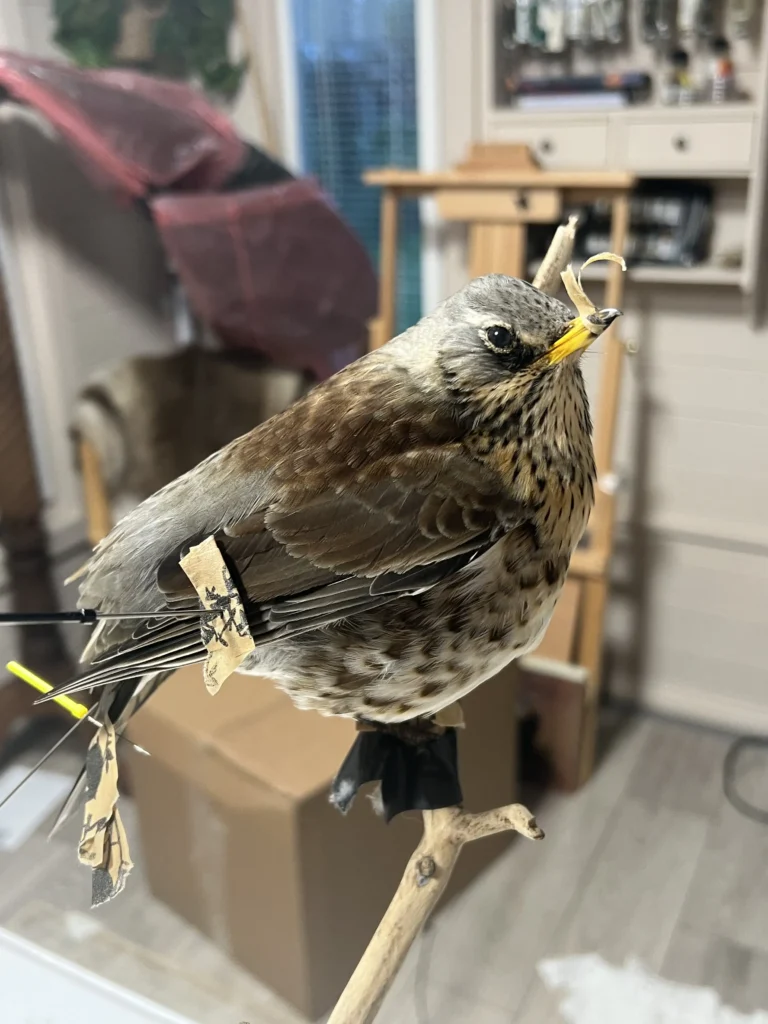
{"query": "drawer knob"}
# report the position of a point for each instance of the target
(521, 201)
(546, 145)
(680, 143)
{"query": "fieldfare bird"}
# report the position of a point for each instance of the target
(398, 535)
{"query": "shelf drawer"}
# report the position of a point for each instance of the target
(689, 147)
(499, 205)
(558, 146)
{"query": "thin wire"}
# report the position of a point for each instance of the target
(730, 763)
(90, 616)
(41, 762)
(187, 613)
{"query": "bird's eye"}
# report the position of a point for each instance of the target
(500, 339)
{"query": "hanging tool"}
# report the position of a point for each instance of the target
(742, 13)
(605, 21)
(550, 19)
(523, 22)
(648, 20)
(612, 12)
(687, 12)
(575, 21)
(507, 22)
(664, 19)
(595, 23)
(706, 19)
(656, 19)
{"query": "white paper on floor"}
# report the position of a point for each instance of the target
(599, 993)
(38, 797)
(40, 988)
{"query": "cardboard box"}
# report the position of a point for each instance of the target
(238, 836)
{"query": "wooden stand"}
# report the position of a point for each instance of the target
(498, 191)
(98, 510)
(426, 876)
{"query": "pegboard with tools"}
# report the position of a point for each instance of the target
(588, 54)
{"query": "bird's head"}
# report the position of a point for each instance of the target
(509, 354)
(505, 330)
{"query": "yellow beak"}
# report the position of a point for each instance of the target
(580, 334)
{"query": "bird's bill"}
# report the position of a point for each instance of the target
(580, 334)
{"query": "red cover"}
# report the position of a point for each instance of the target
(136, 133)
(272, 268)
(275, 269)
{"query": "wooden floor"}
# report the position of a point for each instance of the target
(647, 861)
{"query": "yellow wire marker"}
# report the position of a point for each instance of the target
(29, 677)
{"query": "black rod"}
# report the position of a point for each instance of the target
(84, 615)
(89, 616)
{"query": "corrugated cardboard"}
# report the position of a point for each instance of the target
(239, 838)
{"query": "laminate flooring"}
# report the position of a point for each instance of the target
(647, 861)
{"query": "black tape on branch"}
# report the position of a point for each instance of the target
(419, 776)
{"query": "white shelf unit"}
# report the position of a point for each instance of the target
(683, 634)
(701, 141)
(723, 144)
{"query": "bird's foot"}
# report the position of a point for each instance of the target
(416, 763)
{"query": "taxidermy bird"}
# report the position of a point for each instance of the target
(398, 535)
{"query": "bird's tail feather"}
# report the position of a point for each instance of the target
(164, 655)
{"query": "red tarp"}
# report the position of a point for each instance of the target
(273, 263)
(136, 133)
(272, 268)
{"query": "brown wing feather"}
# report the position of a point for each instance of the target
(366, 475)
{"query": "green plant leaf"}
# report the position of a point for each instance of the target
(191, 39)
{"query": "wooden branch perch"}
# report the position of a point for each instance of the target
(558, 257)
(425, 878)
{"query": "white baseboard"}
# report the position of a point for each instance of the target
(718, 710)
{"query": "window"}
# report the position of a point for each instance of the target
(356, 66)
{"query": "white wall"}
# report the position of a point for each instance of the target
(686, 630)
(264, 111)
(86, 277)
(687, 622)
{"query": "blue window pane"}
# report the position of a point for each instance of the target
(356, 62)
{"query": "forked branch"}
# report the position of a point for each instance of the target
(425, 878)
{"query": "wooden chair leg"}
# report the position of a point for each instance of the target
(97, 507)
(375, 334)
(387, 317)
